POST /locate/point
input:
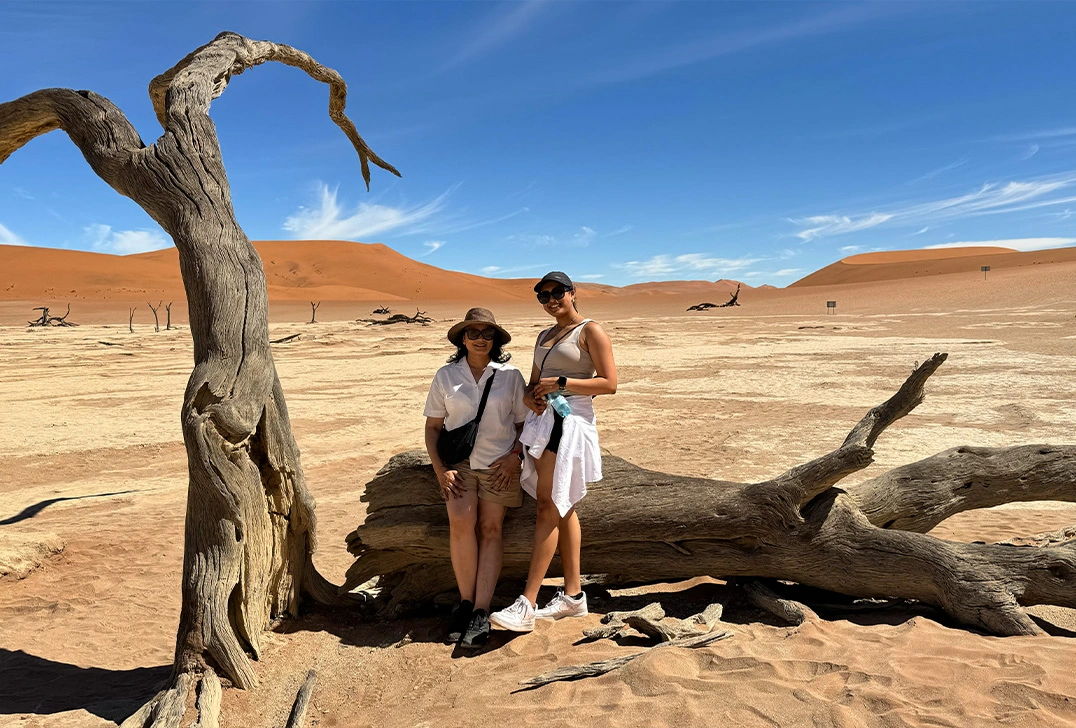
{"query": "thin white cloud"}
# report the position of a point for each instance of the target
(491, 269)
(922, 230)
(851, 248)
(823, 225)
(497, 31)
(619, 231)
(591, 277)
(785, 272)
(686, 52)
(1031, 152)
(432, 246)
(7, 237)
(990, 199)
(103, 239)
(22, 193)
(1035, 135)
(664, 266)
(584, 237)
(940, 171)
(1021, 244)
(328, 221)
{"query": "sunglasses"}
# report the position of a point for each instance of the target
(556, 293)
(475, 334)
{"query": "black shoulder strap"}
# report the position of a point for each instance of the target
(485, 396)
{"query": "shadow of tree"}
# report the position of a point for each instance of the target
(31, 511)
(32, 684)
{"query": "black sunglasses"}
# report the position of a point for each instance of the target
(556, 292)
(475, 334)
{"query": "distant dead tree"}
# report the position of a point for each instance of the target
(382, 311)
(250, 525)
(314, 310)
(156, 321)
(130, 320)
(48, 320)
(731, 302)
(168, 316)
(420, 317)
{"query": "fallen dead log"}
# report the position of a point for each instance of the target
(643, 525)
(46, 319)
(420, 317)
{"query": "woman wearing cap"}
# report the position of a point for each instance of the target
(479, 489)
(574, 360)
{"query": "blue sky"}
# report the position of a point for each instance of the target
(621, 142)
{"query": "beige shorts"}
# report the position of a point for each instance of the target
(482, 480)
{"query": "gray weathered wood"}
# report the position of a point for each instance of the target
(250, 526)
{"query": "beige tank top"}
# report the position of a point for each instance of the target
(566, 358)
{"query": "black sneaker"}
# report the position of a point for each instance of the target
(461, 619)
(478, 630)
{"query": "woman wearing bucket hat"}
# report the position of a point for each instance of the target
(573, 362)
(474, 413)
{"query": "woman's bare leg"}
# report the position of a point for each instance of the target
(490, 553)
(463, 541)
(569, 542)
(546, 527)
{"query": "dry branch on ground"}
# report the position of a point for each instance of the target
(47, 319)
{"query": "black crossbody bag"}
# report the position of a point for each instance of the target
(455, 446)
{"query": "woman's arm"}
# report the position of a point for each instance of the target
(446, 479)
(601, 352)
(536, 404)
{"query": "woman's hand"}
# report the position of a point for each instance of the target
(447, 481)
(534, 404)
(544, 386)
(505, 471)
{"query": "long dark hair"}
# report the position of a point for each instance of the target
(496, 352)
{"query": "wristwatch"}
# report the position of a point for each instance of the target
(562, 382)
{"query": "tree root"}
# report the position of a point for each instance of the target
(787, 610)
(297, 719)
(593, 669)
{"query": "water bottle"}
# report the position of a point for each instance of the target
(558, 403)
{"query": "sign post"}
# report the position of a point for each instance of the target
(984, 269)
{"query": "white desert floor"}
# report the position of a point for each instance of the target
(91, 451)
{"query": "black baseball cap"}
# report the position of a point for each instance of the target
(556, 277)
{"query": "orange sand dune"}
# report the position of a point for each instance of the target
(898, 264)
(295, 270)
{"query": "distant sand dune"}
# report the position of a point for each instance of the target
(899, 264)
(295, 270)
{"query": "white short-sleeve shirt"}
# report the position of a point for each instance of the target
(455, 395)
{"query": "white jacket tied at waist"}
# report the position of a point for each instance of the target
(579, 459)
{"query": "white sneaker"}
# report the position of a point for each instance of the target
(518, 618)
(562, 606)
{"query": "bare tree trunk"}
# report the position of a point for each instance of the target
(156, 321)
(314, 310)
(168, 317)
(642, 525)
(130, 321)
(250, 527)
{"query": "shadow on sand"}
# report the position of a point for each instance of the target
(31, 511)
(31, 684)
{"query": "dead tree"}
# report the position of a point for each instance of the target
(420, 317)
(382, 311)
(156, 321)
(702, 306)
(313, 310)
(46, 319)
(130, 320)
(168, 316)
(862, 541)
(732, 301)
(250, 527)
